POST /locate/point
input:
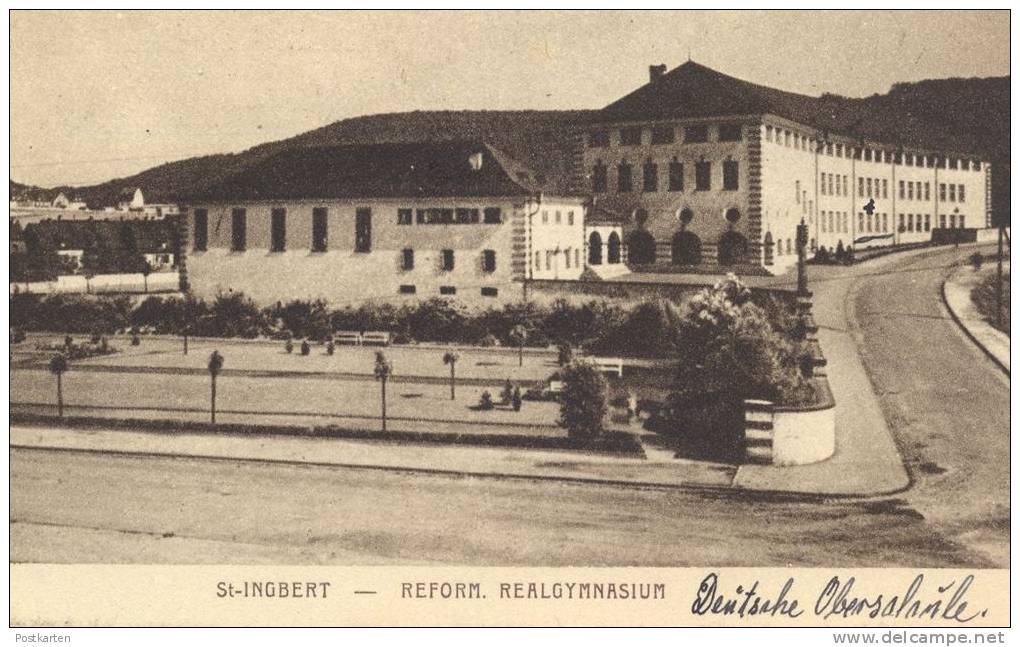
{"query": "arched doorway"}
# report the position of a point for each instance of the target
(732, 248)
(640, 248)
(769, 245)
(686, 248)
(595, 249)
(613, 248)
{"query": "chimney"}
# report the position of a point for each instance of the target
(655, 72)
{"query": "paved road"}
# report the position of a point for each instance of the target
(946, 402)
(77, 507)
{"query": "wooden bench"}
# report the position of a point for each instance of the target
(376, 337)
(555, 386)
(611, 365)
(348, 337)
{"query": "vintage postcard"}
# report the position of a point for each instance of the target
(511, 318)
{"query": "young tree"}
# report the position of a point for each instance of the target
(58, 366)
(518, 337)
(450, 358)
(383, 370)
(215, 366)
(584, 402)
(146, 270)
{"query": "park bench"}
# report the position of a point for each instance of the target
(348, 337)
(610, 365)
(555, 386)
(375, 337)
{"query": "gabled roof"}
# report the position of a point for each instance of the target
(693, 91)
(397, 170)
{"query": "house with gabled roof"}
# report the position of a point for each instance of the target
(714, 171)
(381, 221)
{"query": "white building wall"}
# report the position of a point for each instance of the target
(787, 187)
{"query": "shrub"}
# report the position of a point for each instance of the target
(507, 394)
(840, 254)
(822, 255)
(564, 354)
(648, 330)
(584, 401)
(976, 260)
(234, 315)
(330, 347)
(515, 400)
(983, 296)
(441, 320)
(305, 319)
(305, 348)
(289, 346)
(485, 402)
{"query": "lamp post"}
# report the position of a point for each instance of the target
(215, 365)
(383, 370)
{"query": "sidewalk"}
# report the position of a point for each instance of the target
(866, 461)
(439, 459)
(956, 294)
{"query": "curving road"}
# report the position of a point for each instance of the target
(945, 401)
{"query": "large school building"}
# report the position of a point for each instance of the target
(707, 169)
(693, 171)
(355, 223)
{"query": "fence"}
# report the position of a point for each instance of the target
(102, 283)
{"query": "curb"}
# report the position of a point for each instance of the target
(966, 329)
(726, 492)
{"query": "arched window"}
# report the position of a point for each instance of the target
(595, 249)
(685, 216)
(613, 248)
(686, 248)
(732, 248)
(640, 248)
(732, 215)
(640, 218)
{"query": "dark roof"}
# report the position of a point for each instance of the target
(694, 91)
(397, 170)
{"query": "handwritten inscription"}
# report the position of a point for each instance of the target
(838, 599)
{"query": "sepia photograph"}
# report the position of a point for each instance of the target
(455, 317)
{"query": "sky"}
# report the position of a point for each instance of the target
(96, 95)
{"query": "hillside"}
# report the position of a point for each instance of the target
(968, 116)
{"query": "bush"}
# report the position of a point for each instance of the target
(822, 255)
(584, 401)
(983, 296)
(442, 320)
(305, 348)
(649, 329)
(485, 402)
(304, 319)
(289, 346)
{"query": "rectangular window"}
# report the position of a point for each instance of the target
(903, 190)
(463, 216)
(598, 138)
(545, 216)
(407, 260)
(238, 230)
(730, 176)
(630, 136)
(952, 193)
(860, 187)
(961, 194)
(570, 217)
(492, 216)
(942, 192)
(489, 260)
(927, 222)
(768, 133)
(447, 260)
(846, 186)
(870, 193)
(903, 226)
(363, 230)
(942, 221)
(201, 230)
(598, 178)
(702, 176)
(730, 133)
(404, 216)
(676, 176)
(963, 221)
(447, 289)
(566, 255)
(695, 134)
(910, 190)
(821, 185)
(490, 292)
(867, 154)
(663, 135)
(319, 228)
(623, 178)
(885, 189)
(796, 196)
(407, 289)
(278, 230)
(927, 191)
(651, 177)
(885, 222)
(559, 218)
(860, 221)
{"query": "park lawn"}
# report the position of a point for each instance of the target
(408, 361)
(285, 400)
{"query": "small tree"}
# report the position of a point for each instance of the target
(146, 270)
(584, 401)
(518, 337)
(976, 260)
(450, 359)
(59, 366)
(516, 400)
(383, 370)
(507, 394)
(215, 366)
